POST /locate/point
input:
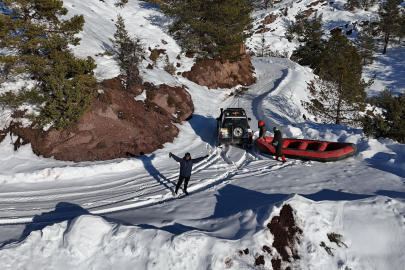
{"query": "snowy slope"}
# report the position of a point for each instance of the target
(121, 214)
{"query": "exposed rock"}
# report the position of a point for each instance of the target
(225, 74)
(269, 19)
(286, 235)
(125, 128)
(308, 12)
(259, 260)
(336, 30)
(262, 31)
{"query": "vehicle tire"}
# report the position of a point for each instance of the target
(238, 132)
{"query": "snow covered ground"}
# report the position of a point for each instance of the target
(122, 214)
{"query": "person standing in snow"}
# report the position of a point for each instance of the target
(278, 143)
(262, 130)
(186, 165)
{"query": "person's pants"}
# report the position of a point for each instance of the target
(181, 178)
(282, 157)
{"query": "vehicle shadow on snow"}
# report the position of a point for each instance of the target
(63, 211)
(160, 178)
(205, 128)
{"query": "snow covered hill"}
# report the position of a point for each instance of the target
(122, 214)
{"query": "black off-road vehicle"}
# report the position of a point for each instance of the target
(233, 128)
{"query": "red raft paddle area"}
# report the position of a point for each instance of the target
(308, 149)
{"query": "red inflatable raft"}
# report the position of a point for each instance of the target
(309, 150)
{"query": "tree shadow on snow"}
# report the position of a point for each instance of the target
(159, 21)
(333, 195)
(160, 178)
(63, 211)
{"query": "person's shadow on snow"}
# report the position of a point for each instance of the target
(63, 211)
(147, 163)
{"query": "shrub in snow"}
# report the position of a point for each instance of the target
(391, 122)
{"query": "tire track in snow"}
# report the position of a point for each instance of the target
(127, 192)
(126, 201)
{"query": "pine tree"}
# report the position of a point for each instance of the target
(121, 3)
(328, 105)
(313, 44)
(390, 20)
(68, 90)
(216, 28)
(261, 48)
(39, 41)
(391, 123)
(268, 4)
(351, 5)
(366, 46)
(342, 94)
(35, 32)
(129, 53)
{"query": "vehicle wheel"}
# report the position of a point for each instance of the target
(238, 132)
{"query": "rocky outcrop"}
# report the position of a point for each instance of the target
(115, 126)
(270, 18)
(222, 74)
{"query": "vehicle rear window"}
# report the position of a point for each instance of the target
(229, 122)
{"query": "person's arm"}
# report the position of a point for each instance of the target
(196, 160)
(176, 158)
(276, 139)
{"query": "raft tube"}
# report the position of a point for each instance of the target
(308, 149)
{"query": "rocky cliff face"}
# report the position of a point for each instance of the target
(116, 125)
(222, 74)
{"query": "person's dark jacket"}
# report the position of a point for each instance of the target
(278, 142)
(262, 131)
(186, 165)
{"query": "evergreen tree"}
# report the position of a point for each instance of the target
(261, 48)
(68, 90)
(39, 44)
(328, 105)
(215, 28)
(391, 123)
(391, 22)
(35, 32)
(367, 3)
(121, 3)
(129, 53)
(366, 46)
(313, 44)
(268, 4)
(343, 90)
(351, 5)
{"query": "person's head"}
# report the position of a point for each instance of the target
(187, 155)
(261, 123)
(275, 129)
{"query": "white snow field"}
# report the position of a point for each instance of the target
(122, 214)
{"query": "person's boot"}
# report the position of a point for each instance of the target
(283, 158)
(276, 157)
(185, 192)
